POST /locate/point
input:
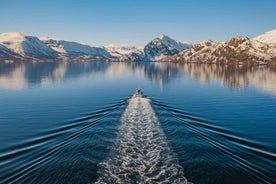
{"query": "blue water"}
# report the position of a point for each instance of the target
(76, 123)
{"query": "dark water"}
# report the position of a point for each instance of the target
(77, 123)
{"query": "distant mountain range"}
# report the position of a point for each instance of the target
(261, 50)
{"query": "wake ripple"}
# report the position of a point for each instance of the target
(230, 144)
(18, 162)
(140, 153)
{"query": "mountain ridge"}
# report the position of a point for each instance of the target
(155, 50)
(71, 48)
(260, 49)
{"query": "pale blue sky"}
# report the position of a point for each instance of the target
(102, 22)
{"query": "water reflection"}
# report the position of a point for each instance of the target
(13, 78)
(236, 77)
(18, 76)
(57, 74)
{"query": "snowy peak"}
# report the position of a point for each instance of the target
(155, 50)
(163, 37)
(163, 46)
(268, 37)
(174, 43)
(12, 37)
(27, 45)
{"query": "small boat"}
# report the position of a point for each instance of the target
(138, 93)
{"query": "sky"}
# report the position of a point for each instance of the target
(104, 22)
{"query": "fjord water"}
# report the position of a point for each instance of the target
(63, 122)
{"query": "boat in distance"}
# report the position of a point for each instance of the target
(138, 93)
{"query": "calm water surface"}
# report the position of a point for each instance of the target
(77, 123)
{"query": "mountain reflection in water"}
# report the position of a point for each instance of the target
(18, 76)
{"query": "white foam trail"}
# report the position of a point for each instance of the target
(140, 153)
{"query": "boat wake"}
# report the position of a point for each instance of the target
(23, 162)
(254, 161)
(140, 153)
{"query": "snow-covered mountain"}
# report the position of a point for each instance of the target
(120, 50)
(155, 50)
(27, 46)
(163, 46)
(22, 47)
(236, 50)
(69, 48)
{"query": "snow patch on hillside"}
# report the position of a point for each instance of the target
(268, 37)
(120, 50)
(71, 48)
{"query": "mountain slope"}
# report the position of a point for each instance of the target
(191, 53)
(7, 54)
(68, 48)
(174, 43)
(268, 37)
(29, 46)
(155, 50)
(236, 50)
